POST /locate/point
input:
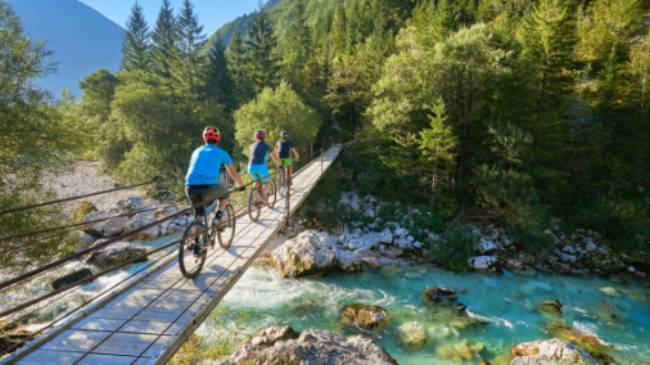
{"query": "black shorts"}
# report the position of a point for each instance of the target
(205, 195)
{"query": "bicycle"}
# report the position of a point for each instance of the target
(197, 237)
(256, 198)
(283, 178)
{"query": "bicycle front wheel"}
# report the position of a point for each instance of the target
(193, 249)
(255, 203)
(226, 233)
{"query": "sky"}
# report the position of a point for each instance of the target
(212, 13)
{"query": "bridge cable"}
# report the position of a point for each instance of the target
(72, 198)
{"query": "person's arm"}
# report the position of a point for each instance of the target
(295, 154)
(232, 171)
(275, 158)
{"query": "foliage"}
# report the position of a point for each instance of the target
(136, 41)
(26, 118)
(456, 246)
(274, 111)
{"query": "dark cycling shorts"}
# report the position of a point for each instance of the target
(205, 195)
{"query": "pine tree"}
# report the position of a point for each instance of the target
(191, 37)
(296, 47)
(219, 86)
(165, 39)
(548, 36)
(549, 41)
(261, 62)
(135, 46)
(339, 31)
(236, 56)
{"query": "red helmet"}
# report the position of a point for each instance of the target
(260, 135)
(211, 134)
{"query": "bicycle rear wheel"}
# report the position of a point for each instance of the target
(255, 203)
(282, 186)
(272, 192)
(193, 249)
(226, 233)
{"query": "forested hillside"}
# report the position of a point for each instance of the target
(508, 112)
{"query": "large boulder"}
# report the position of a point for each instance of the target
(364, 317)
(282, 346)
(308, 253)
(141, 220)
(444, 298)
(550, 352)
(117, 253)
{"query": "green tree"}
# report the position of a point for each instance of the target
(190, 39)
(276, 110)
(165, 38)
(135, 46)
(32, 138)
(639, 70)
(262, 66)
(218, 83)
(548, 37)
(98, 91)
(236, 56)
(296, 48)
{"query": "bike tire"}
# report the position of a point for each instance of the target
(194, 234)
(227, 232)
(272, 192)
(254, 204)
(282, 186)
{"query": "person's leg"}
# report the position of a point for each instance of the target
(222, 193)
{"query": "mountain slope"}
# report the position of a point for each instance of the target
(81, 38)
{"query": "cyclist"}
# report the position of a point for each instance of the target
(257, 163)
(202, 183)
(285, 150)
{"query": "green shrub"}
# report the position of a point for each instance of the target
(455, 248)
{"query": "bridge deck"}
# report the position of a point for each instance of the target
(148, 322)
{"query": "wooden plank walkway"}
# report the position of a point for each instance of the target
(147, 323)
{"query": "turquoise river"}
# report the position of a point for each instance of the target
(615, 310)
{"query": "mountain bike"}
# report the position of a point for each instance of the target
(256, 198)
(201, 234)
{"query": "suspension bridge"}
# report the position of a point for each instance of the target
(146, 318)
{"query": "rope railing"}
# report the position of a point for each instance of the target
(72, 198)
(23, 277)
(80, 224)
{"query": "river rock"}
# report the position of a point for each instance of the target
(308, 253)
(311, 347)
(483, 263)
(460, 351)
(550, 352)
(552, 307)
(142, 219)
(443, 298)
(131, 203)
(117, 253)
(412, 335)
(365, 317)
(487, 245)
(115, 227)
(586, 341)
(609, 290)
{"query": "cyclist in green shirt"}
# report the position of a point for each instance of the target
(287, 153)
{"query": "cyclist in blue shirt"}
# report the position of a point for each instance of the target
(258, 168)
(202, 183)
